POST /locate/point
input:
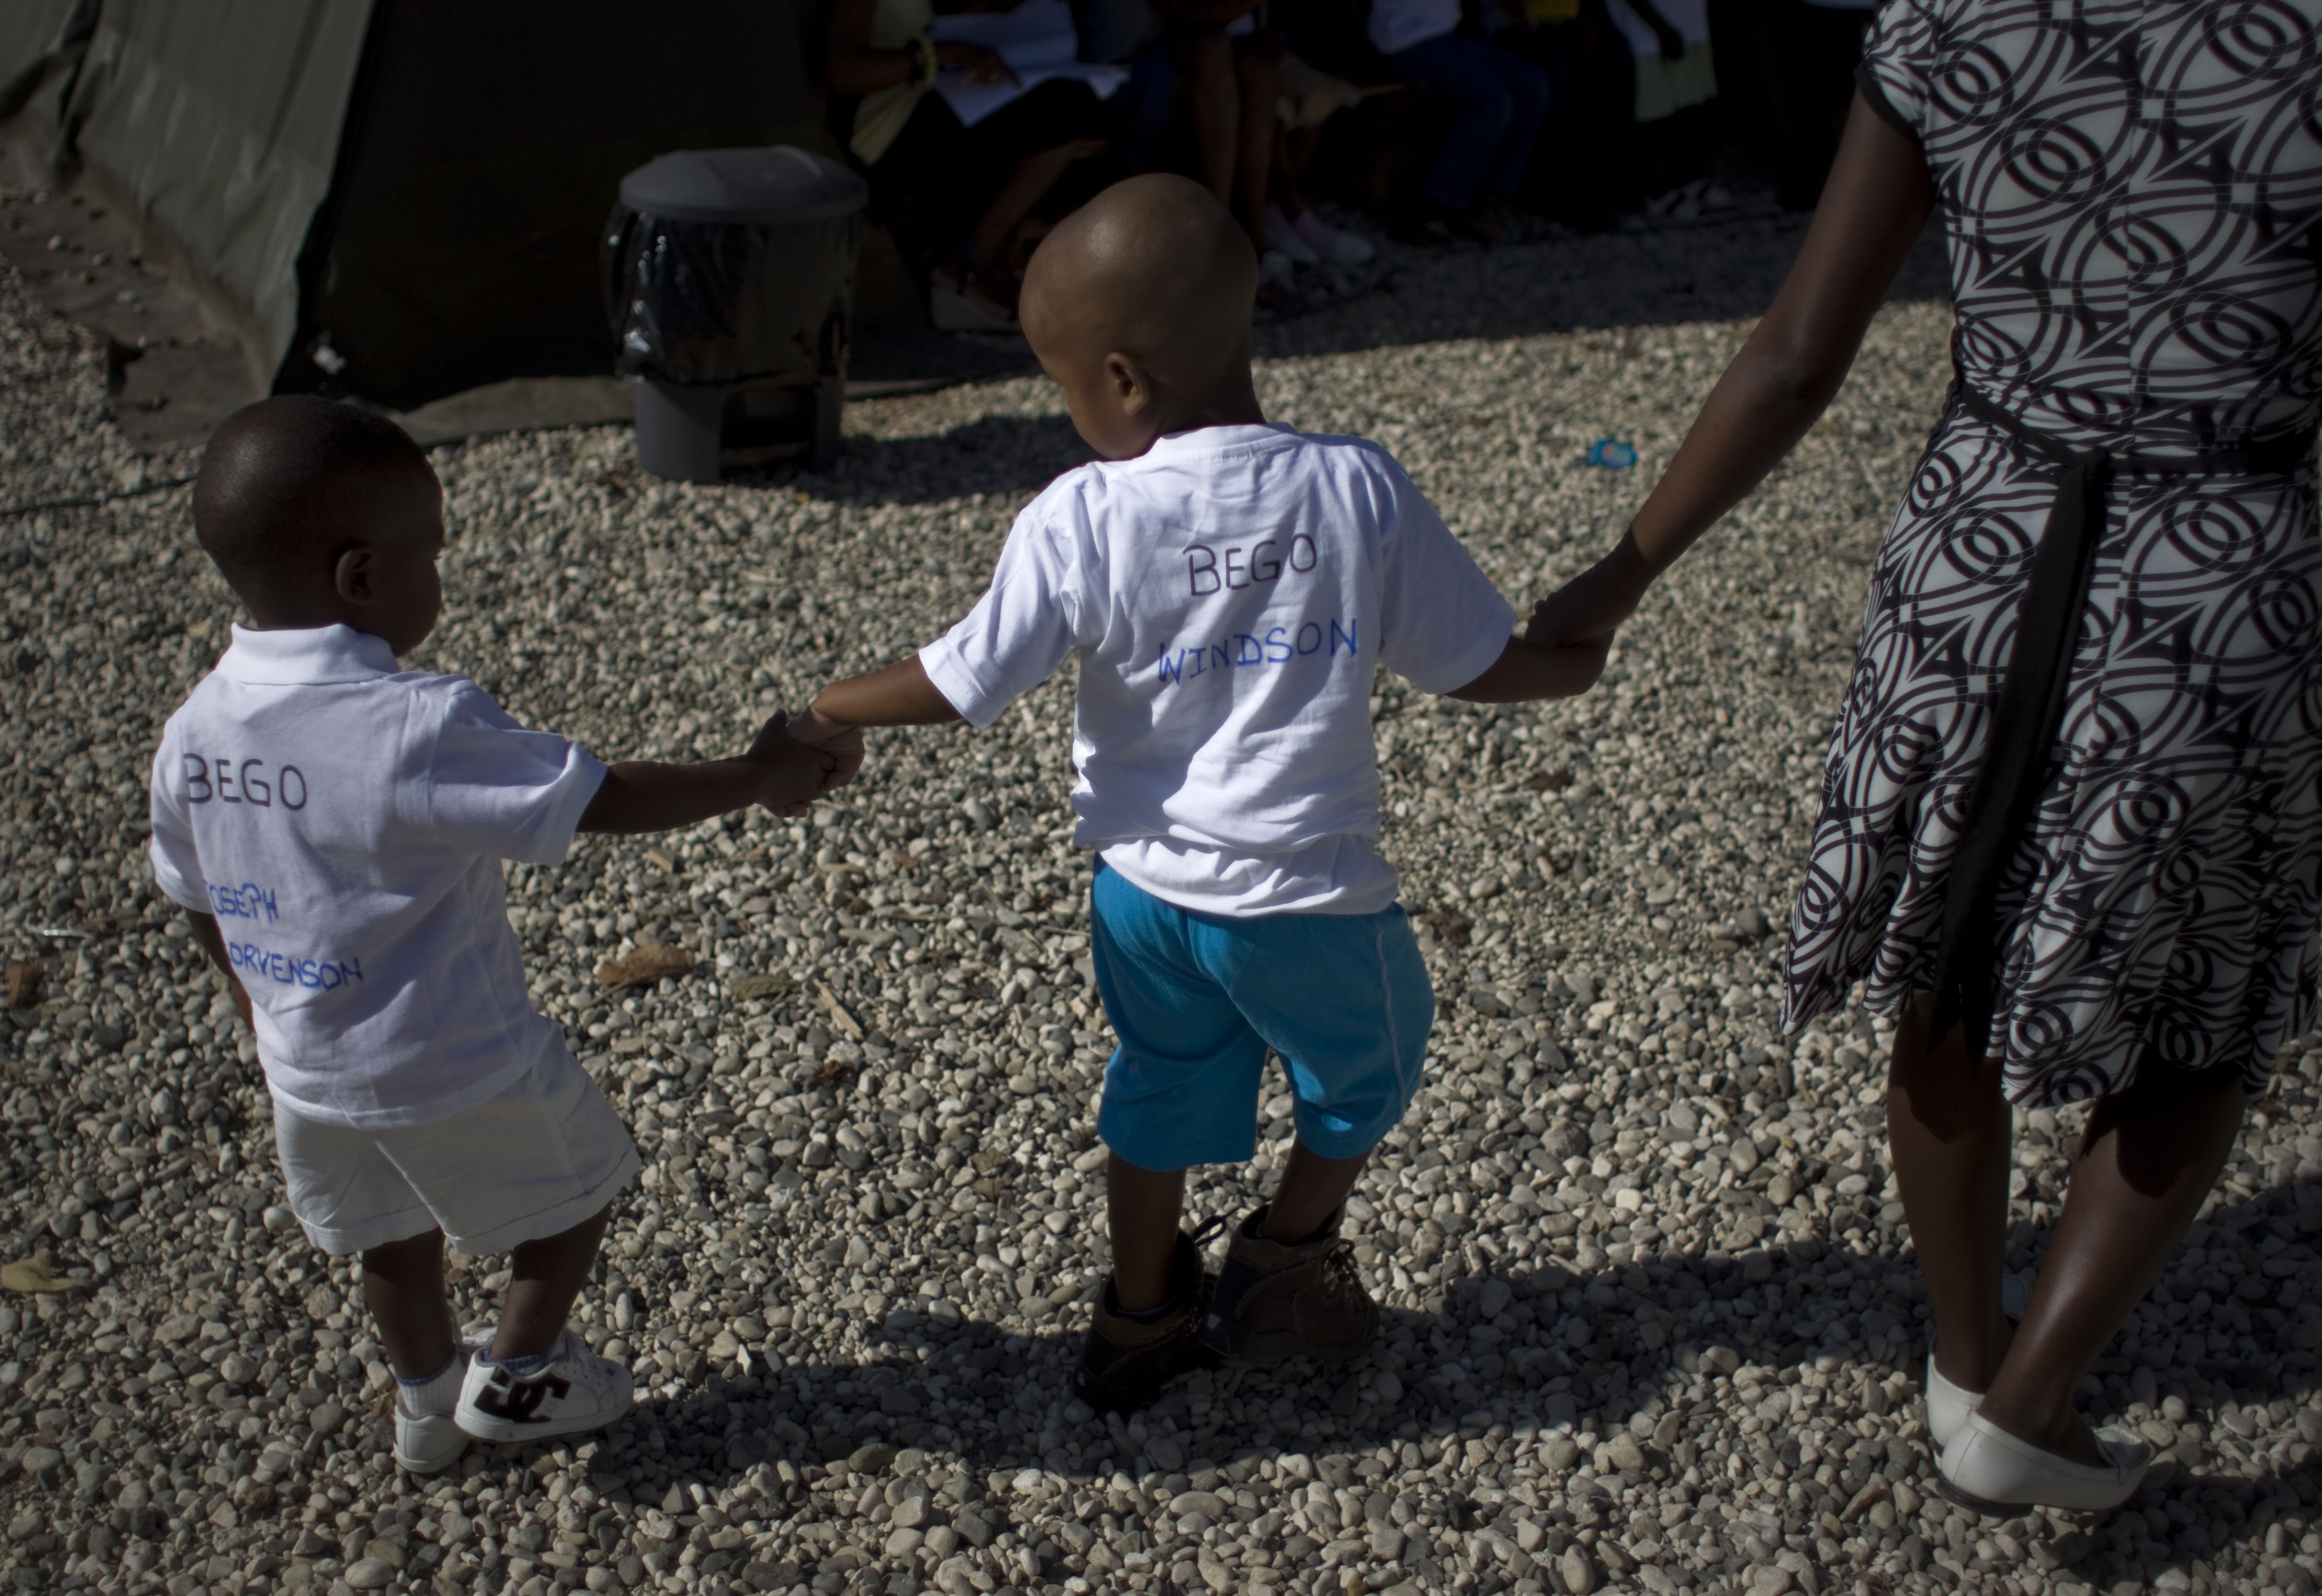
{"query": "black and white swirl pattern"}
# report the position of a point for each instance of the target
(2132, 200)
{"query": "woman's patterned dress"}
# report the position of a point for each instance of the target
(2132, 195)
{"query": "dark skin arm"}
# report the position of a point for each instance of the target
(1877, 202)
(778, 772)
(902, 694)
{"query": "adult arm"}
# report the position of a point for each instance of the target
(1876, 203)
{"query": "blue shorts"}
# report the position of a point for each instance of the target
(1197, 1000)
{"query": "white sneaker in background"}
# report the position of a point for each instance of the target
(1283, 235)
(577, 1391)
(1334, 244)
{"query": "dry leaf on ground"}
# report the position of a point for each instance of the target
(644, 967)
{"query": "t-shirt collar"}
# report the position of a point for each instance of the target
(306, 656)
(1206, 440)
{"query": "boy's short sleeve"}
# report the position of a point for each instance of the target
(1442, 622)
(1897, 65)
(496, 789)
(1019, 632)
(177, 865)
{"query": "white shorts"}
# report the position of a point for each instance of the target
(532, 1162)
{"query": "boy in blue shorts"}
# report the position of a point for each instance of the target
(1228, 587)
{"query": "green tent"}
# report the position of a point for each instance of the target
(414, 188)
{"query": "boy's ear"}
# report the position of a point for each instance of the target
(354, 574)
(1132, 389)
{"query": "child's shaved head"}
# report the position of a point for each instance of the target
(316, 512)
(285, 482)
(1154, 270)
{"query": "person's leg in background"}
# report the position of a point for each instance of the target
(1529, 97)
(1257, 81)
(1458, 70)
(1141, 108)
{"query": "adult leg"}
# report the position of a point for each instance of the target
(1527, 90)
(403, 1287)
(1142, 1209)
(1214, 93)
(1450, 67)
(548, 1275)
(1031, 180)
(1949, 1133)
(2146, 1163)
(1257, 79)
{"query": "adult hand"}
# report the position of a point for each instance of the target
(1591, 607)
(979, 63)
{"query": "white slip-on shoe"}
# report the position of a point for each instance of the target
(577, 1391)
(1995, 1473)
(1950, 1406)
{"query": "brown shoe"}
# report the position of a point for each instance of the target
(1275, 1300)
(1125, 1362)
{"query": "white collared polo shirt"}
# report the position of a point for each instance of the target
(345, 822)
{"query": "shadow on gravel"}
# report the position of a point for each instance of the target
(1717, 272)
(1457, 1378)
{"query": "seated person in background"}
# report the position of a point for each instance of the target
(1228, 60)
(1498, 102)
(1308, 99)
(1676, 84)
(953, 194)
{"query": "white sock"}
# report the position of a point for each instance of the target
(439, 1393)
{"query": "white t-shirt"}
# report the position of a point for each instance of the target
(1229, 593)
(345, 821)
(1398, 24)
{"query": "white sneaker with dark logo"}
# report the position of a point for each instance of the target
(577, 1391)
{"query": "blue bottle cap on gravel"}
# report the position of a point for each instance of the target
(1611, 454)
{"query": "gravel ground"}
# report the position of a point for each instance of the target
(1651, 1322)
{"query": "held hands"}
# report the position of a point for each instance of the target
(794, 772)
(840, 742)
(1591, 607)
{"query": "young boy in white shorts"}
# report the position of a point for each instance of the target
(1228, 587)
(335, 827)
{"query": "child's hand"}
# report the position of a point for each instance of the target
(793, 774)
(842, 741)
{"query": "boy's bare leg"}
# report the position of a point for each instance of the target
(1143, 1207)
(1312, 1190)
(548, 1275)
(403, 1287)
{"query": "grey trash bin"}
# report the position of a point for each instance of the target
(730, 282)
